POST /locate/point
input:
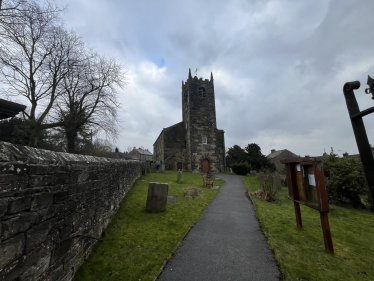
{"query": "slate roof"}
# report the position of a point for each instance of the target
(275, 154)
(143, 151)
(10, 109)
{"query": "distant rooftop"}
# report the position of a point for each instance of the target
(10, 109)
(143, 151)
(274, 154)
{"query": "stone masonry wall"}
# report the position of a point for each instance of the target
(285, 154)
(53, 207)
(200, 114)
(174, 139)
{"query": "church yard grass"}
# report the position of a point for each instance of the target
(136, 243)
(300, 253)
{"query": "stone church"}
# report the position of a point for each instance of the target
(195, 144)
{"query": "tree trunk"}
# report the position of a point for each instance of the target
(34, 136)
(71, 136)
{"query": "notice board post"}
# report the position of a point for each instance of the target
(306, 185)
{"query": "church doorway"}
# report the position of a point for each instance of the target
(179, 166)
(205, 165)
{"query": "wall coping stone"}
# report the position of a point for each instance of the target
(17, 153)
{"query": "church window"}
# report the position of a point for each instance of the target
(205, 141)
(202, 93)
(186, 125)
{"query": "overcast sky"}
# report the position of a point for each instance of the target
(278, 66)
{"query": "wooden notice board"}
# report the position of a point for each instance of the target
(306, 185)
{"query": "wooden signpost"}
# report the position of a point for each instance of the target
(306, 185)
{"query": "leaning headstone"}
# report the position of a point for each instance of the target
(157, 197)
(161, 169)
(179, 178)
(230, 170)
(153, 167)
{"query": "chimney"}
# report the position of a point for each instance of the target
(345, 154)
(134, 147)
(273, 150)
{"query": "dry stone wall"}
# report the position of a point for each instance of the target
(53, 208)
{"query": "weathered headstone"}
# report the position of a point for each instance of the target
(172, 200)
(179, 178)
(230, 170)
(153, 167)
(157, 197)
(161, 169)
(144, 168)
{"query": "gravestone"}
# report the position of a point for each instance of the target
(172, 200)
(277, 182)
(157, 197)
(179, 178)
(153, 167)
(148, 166)
(161, 169)
(230, 170)
(144, 168)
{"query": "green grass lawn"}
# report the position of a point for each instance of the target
(301, 253)
(136, 242)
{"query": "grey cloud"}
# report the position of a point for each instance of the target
(279, 66)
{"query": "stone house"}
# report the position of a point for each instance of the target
(276, 155)
(141, 154)
(195, 144)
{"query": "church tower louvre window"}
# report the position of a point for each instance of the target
(202, 93)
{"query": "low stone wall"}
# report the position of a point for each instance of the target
(53, 208)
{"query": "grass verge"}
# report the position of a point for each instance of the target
(301, 253)
(136, 242)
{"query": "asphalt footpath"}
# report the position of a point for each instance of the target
(226, 243)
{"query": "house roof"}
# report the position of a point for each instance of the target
(10, 109)
(143, 151)
(125, 155)
(275, 154)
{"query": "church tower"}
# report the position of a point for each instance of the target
(204, 143)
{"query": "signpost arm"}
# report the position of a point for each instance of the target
(360, 135)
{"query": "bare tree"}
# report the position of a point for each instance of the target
(15, 8)
(10, 5)
(90, 99)
(36, 54)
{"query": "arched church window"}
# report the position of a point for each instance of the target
(205, 140)
(202, 93)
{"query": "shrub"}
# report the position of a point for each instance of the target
(270, 184)
(243, 168)
(345, 181)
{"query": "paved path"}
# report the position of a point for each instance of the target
(226, 243)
